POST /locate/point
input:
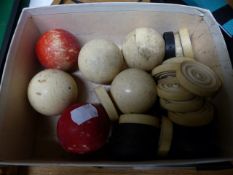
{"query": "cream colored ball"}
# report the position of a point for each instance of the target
(144, 48)
(100, 61)
(134, 91)
(51, 91)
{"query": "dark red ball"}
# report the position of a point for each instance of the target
(83, 128)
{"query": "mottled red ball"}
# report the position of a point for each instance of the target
(58, 49)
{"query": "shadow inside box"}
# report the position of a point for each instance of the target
(229, 43)
(197, 142)
(188, 143)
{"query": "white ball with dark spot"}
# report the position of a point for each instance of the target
(133, 91)
(51, 91)
(100, 61)
(144, 48)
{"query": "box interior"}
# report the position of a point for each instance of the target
(25, 135)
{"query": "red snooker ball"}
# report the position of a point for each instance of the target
(83, 128)
(58, 49)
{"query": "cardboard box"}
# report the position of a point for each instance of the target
(29, 139)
